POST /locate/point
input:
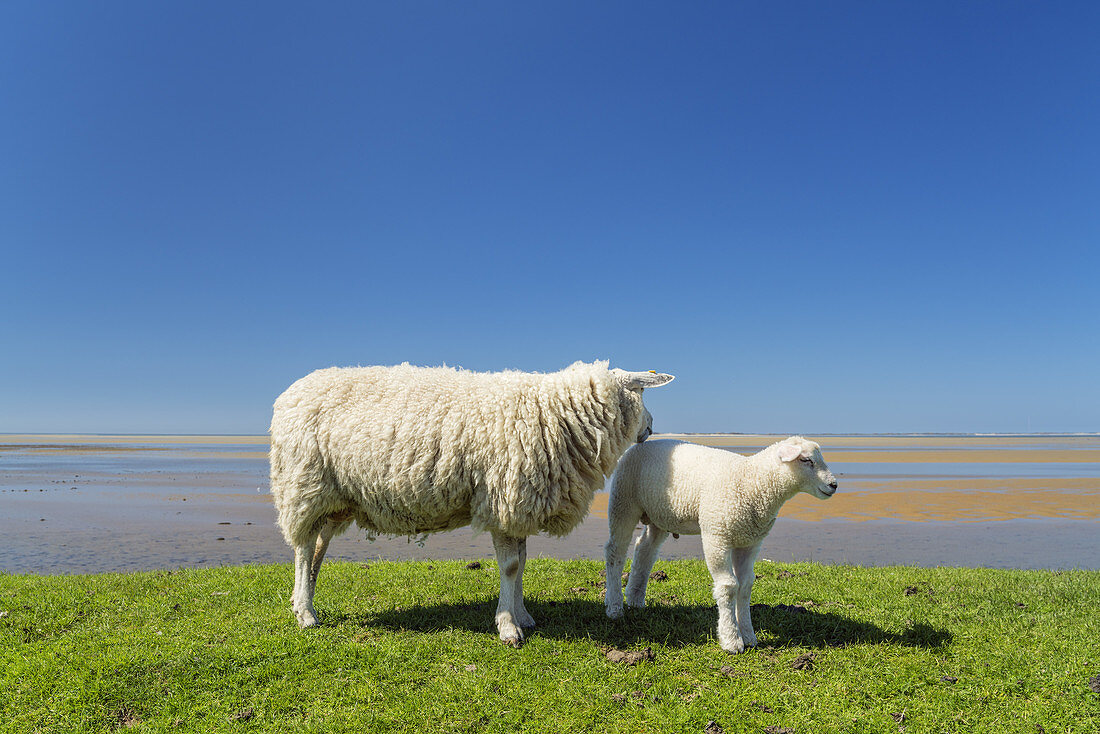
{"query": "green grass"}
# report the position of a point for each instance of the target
(408, 647)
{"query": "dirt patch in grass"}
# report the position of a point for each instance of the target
(805, 661)
(243, 715)
(125, 718)
(630, 657)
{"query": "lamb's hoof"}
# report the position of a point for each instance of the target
(734, 647)
(528, 623)
(511, 635)
(614, 613)
(749, 640)
(636, 603)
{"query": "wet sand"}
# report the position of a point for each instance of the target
(82, 504)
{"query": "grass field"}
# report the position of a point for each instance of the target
(407, 646)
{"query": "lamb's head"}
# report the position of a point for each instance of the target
(803, 458)
(632, 384)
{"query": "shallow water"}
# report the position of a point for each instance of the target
(81, 504)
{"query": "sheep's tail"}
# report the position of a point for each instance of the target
(301, 488)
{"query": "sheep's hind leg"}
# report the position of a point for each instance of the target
(744, 559)
(522, 615)
(302, 598)
(719, 559)
(327, 531)
(508, 563)
(645, 555)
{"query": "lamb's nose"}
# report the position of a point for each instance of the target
(833, 484)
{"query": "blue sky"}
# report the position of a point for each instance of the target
(822, 217)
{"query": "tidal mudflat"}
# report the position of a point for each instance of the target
(82, 504)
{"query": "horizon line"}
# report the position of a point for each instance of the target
(989, 434)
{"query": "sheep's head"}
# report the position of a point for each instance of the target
(805, 460)
(633, 383)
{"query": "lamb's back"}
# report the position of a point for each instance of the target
(670, 479)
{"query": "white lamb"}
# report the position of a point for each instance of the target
(730, 499)
(409, 450)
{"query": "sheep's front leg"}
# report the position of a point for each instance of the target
(719, 559)
(744, 559)
(645, 554)
(522, 616)
(508, 563)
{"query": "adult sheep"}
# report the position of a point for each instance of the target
(408, 450)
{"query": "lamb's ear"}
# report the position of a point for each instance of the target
(789, 451)
(646, 379)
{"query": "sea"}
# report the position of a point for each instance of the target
(75, 504)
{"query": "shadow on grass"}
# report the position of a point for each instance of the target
(675, 625)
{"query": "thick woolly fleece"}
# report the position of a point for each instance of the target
(410, 450)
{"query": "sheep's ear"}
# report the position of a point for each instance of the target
(789, 451)
(646, 379)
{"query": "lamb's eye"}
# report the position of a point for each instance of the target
(806, 460)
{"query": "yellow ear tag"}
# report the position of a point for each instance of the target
(653, 372)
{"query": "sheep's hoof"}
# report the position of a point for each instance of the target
(306, 618)
(614, 613)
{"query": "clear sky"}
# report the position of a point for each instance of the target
(822, 217)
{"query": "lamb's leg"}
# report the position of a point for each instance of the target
(645, 554)
(719, 559)
(522, 616)
(744, 560)
(508, 563)
(301, 600)
(614, 553)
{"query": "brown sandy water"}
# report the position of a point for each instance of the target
(81, 504)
